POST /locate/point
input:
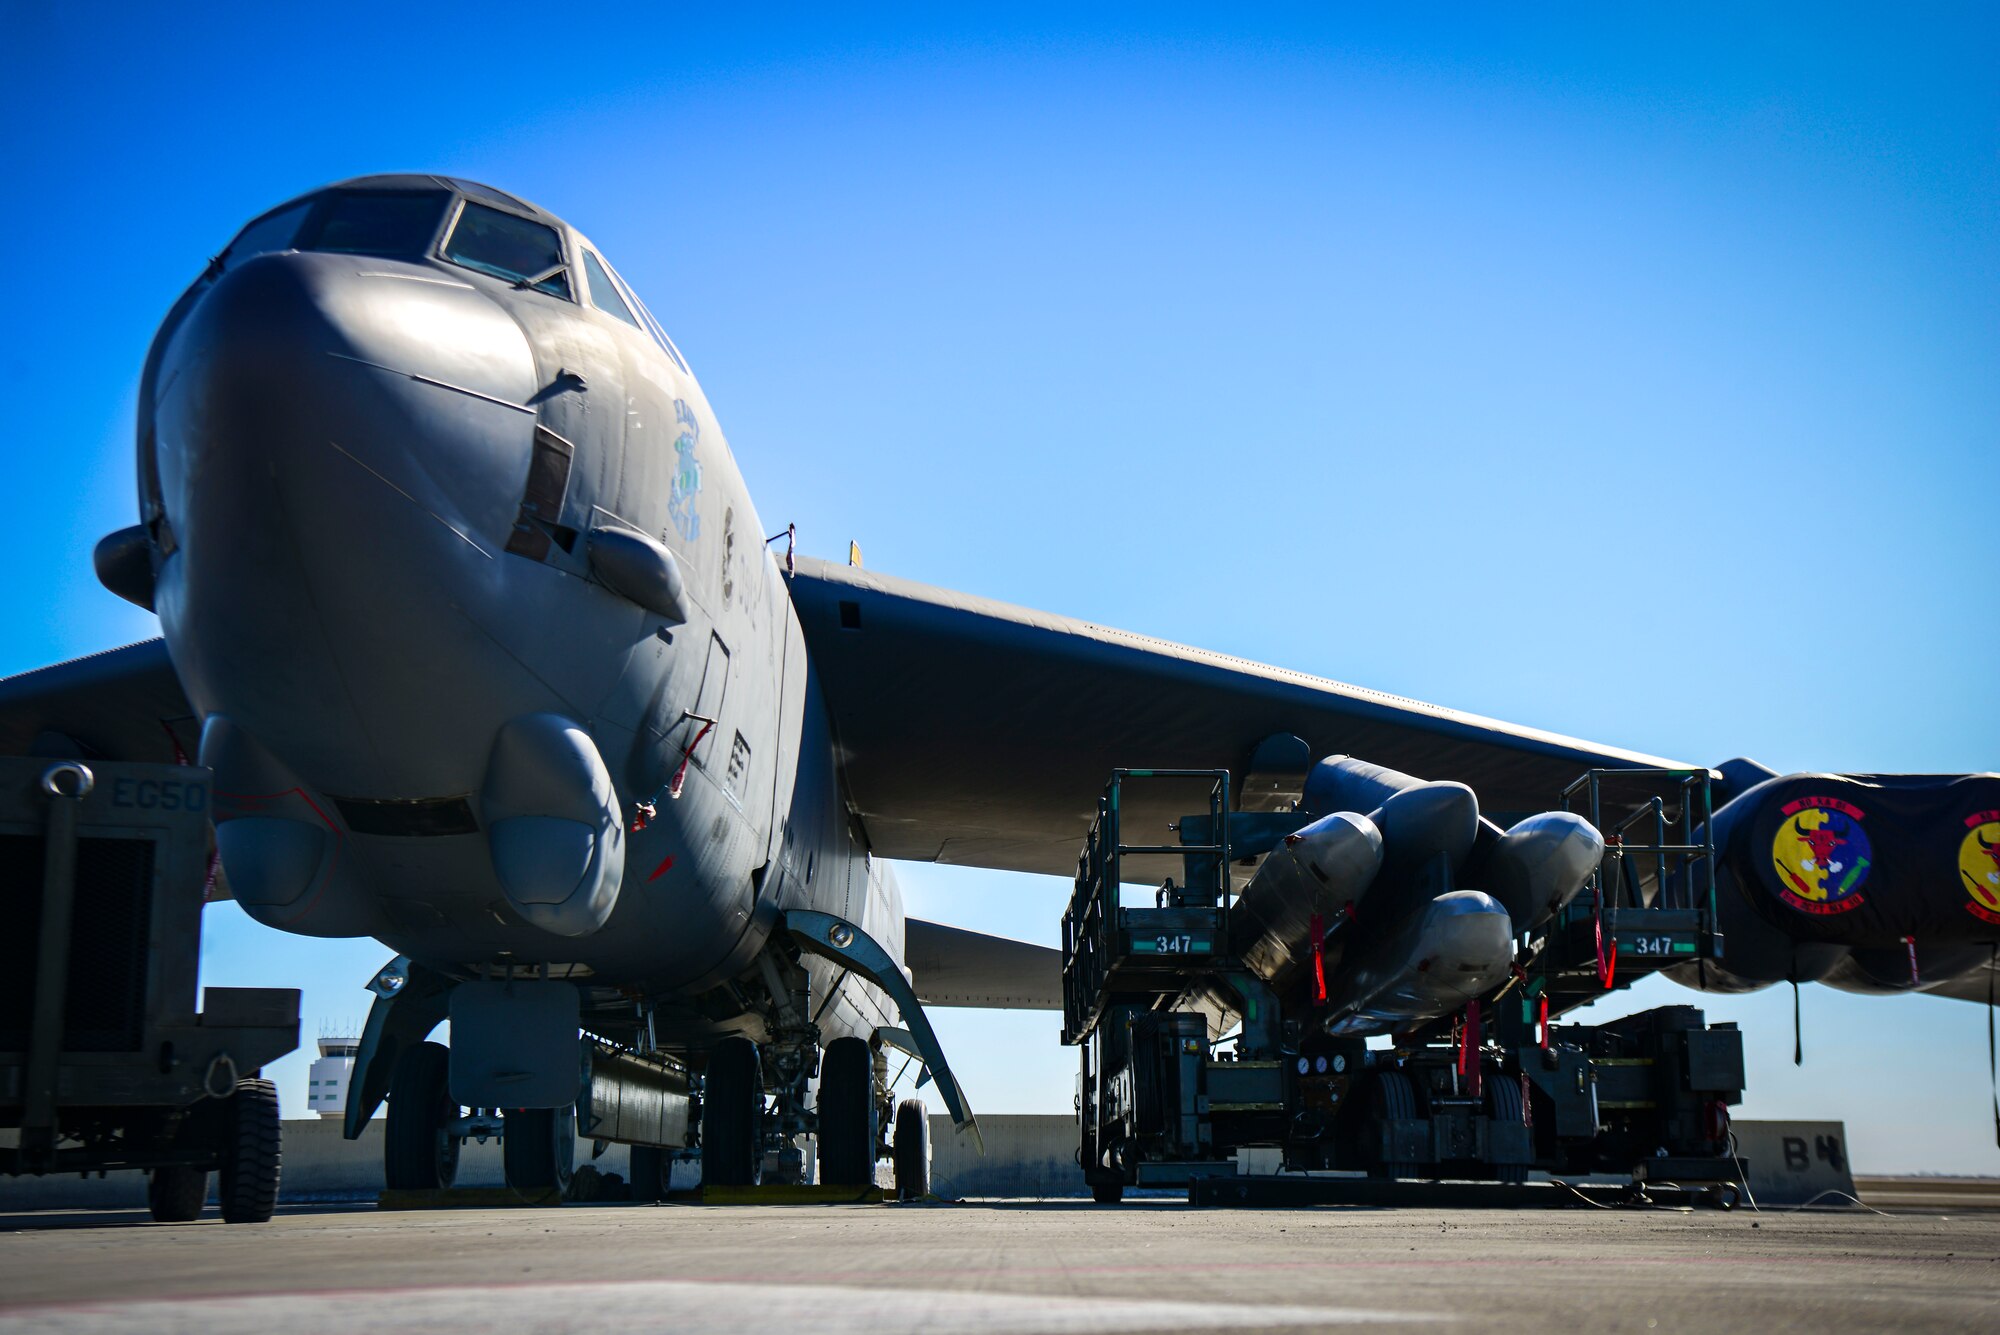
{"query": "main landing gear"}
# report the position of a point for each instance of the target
(732, 1116)
(423, 1135)
(420, 1151)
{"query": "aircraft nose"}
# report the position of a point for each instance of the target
(385, 358)
(341, 441)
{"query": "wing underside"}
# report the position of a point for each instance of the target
(122, 704)
(977, 733)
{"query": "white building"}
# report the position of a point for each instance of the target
(326, 1083)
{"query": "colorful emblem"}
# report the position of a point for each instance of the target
(1979, 864)
(687, 473)
(1822, 855)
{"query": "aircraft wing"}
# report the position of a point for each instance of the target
(978, 733)
(956, 967)
(1981, 985)
(122, 704)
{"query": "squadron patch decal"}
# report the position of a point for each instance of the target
(1979, 864)
(1822, 855)
(687, 472)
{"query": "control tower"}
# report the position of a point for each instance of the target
(326, 1084)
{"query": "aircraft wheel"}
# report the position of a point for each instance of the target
(176, 1193)
(1394, 1099)
(252, 1153)
(1503, 1104)
(651, 1167)
(417, 1154)
(538, 1148)
(846, 1104)
(1107, 1193)
(912, 1151)
(732, 1116)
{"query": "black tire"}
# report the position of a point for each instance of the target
(538, 1148)
(732, 1116)
(846, 1104)
(912, 1151)
(650, 1168)
(1107, 1193)
(416, 1153)
(1393, 1098)
(252, 1154)
(1503, 1104)
(176, 1193)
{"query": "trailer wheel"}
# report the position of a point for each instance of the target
(176, 1193)
(732, 1116)
(1393, 1099)
(538, 1148)
(650, 1167)
(252, 1153)
(417, 1154)
(846, 1105)
(1503, 1104)
(912, 1151)
(1107, 1193)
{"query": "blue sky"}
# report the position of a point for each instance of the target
(1626, 374)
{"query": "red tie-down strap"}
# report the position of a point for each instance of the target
(1468, 1050)
(1910, 944)
(1607, 963)
(644, 812)
(1318, 933)
(1542, 1021)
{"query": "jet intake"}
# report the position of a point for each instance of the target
(553, 824)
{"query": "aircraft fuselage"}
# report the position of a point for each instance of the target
(393, 486)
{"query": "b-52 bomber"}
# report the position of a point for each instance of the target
(468, 609)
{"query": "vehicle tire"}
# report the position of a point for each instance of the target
(1107, 1193)
(252, 1154)
(846, 1105)
(1393, 1098)
(1503, 1104)
(912, 1151)
(651, 1167)
(176, 1193)
(417, 1155)
(538, 1148)
(732, 1116)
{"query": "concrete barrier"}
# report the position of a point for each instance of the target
(1028, 1156)
(318, 1165)
(1794, 1163)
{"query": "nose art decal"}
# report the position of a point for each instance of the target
(687, 473)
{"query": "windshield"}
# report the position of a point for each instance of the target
(374, 222)
(508, 246)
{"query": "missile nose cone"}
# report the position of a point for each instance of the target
(1538, 866)
(1419, 823)
(1315, 875)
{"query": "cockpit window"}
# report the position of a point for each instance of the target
(604, 292)
(375, 222)
(273, 231)
(508, 246)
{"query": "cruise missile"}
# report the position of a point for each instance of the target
(1537, 867)
(1310, 881)
(1457, 949)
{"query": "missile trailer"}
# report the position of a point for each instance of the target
(104, 1062)
(1205, 1062)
